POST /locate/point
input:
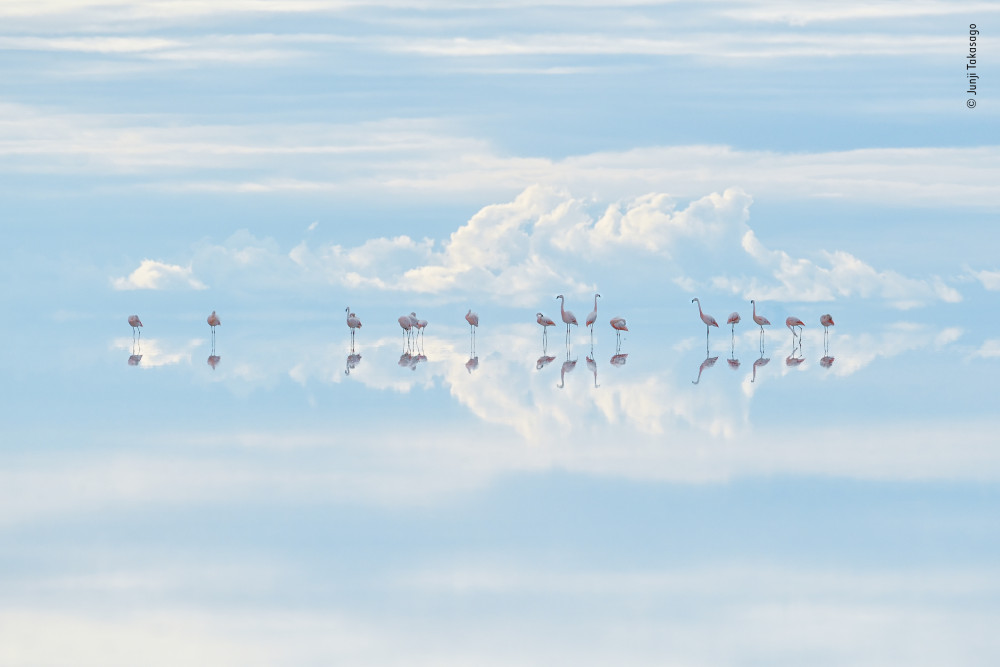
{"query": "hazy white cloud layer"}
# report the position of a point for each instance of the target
(421, 157)
(548, 241)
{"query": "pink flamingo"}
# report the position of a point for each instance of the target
(213, 321)
(135, 323)
(352, 322)
(792, 322)
(418, 324)
(407, 324)
(567, 315)
(759, 319)
(473, 320)
(592, 318)
(618, 324)
(734, 319)
(707, 319)
(546, 322)
(827, 322)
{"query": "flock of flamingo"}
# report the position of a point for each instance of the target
(413, 331)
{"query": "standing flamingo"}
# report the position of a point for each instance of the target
(567, 315)
(827, 322)
(592, 318)
(135, 323)
(618, 324)
(213, 321)
(707, 319)
(546, 322)
(419, 325)
(734, 319)
(353, 322)
(791, 323)
(473, 320)
(407, 324)
(761, 321)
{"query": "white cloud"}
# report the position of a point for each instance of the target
(156, 275)
(989, 279)
(990, 349)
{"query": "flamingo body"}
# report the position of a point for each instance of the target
(706, 318)
(567, 315)
(593, 315)
(134, 321)
(734, 318)
(618, 324)
(472, 318)
(826, 320)
(544, 321)
(213, 320)
(352, 320)
(759, 319)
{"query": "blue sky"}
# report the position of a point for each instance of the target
(277, 162)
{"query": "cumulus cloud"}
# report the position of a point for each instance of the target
(156, 275)
(547, 241)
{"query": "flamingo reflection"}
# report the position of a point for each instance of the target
(759, 364)
(352, 362)
(592, 367)
(543, 361)
(213, 360)
(472, 364)
(567, 367)
(733, 362)
(708, 363)
(134, 359)
(619, 360)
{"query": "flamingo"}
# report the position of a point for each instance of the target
(759, 319)
(827, 322)
(546, 322)
(792, 322)
(734, 319)
(473, 320)
(407, 324)
(707, 319)
(618, 324)
(419, 324)
(592, 317)
(567, 316)
(213, 321)
(135, 323)
(352, 322)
